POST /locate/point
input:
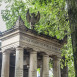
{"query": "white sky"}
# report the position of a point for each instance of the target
(2, 23)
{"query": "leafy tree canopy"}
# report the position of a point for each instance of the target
(53, 19)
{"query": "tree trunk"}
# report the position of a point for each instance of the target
(72, 13)
(64, 71)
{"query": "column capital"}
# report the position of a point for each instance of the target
(45, 55)
(19, 48)
(6, 52)
(33, 52)
(56, 58)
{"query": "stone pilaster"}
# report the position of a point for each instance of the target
(45, 68)
(5, 64)
(56, 67)
(33, 64)
(19, 62)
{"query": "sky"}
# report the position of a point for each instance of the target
(2, 23)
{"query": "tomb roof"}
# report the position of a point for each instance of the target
(21, 27)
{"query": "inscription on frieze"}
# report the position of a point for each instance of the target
(41, 44)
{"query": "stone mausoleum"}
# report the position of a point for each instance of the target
(24, 50)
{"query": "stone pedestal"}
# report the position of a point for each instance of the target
(45, 68)
(33, 64)
(5, 65)
(19, 62)
(56, 67)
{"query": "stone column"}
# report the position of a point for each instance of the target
(5, 64)
(56, 67)
(33, 64)
(19, 62)
(45, 68)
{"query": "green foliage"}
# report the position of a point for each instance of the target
(67, 52)
(53, 15)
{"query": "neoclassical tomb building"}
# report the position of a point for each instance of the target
(24, 50)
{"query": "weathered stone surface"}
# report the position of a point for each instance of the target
(5, 65)
(19, 62)
(56, 67)
(45, 66)
(33, 64)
